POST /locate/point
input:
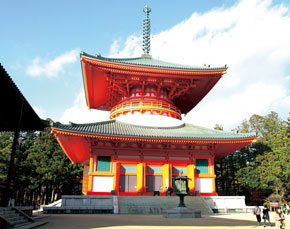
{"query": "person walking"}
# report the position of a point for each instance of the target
(266, 215)
(281, 218)
(257, 212)
(284, 208)
(288, 208)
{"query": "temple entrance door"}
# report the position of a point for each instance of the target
(153, 183)
(127, 183)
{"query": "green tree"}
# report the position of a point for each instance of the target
(42, 171)
(6, 140)
(264, 165)
(54, 173)
(269, 170)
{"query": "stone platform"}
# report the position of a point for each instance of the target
(227, 204)
(83, 205)
(143, 205)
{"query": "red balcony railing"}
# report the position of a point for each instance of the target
(145, 106)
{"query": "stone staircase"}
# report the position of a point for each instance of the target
(11, 217)
(157, 204)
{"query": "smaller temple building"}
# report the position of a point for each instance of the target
(145, 144)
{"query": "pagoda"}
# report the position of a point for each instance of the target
(145, 144)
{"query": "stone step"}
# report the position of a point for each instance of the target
(10, 214)
(14, 217)
(157, 204)
(20, 221)
(30, 225)
(7, 211)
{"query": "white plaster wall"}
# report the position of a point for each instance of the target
(225, 202)
(203, 185)
(149, 120)
(102, 184)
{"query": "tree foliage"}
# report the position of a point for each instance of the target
(262, 166)
(6, 139)
(42, 171)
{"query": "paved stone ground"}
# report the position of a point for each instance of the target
(239, 221)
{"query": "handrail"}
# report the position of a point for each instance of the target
(145, 105)
(152, 103)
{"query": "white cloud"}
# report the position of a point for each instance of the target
(251, 38)
(132, 47)
(79, 112)
(53, 67)
(231, 110)
(287, 101)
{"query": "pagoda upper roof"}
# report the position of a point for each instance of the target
(148, 61)
(107, 80)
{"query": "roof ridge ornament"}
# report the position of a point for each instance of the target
(146, 33)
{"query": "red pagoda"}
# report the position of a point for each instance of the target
(145, 143)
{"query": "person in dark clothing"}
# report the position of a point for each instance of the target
(266, 215)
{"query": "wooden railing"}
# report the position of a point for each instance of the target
(142, 106)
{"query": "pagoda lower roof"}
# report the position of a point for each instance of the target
(114, 128)
(74, 138)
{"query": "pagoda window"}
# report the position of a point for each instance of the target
(128, 178)
(103, 163)
(87, 169)
(154, 179)
(154, 169)
(128, 169)
(153, 183)
(201, 166)
(127, 183)
(178, 170)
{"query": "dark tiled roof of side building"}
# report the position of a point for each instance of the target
(15, 106)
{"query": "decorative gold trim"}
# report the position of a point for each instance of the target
(249, 140)
(149, 69)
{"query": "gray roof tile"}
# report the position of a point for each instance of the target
(118, 129)
(150, 62)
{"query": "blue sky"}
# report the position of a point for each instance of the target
(41, 41)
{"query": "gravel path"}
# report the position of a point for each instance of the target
(244, 220)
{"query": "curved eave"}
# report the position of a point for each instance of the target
(155, 139)
(96, 84)
(147, 69)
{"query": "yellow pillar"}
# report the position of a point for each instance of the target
(165, 177)
(90, 188)
(212, 173)
(140, 177)
(190, 175)
(213, 185)
(211, 166)
(114, 171)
